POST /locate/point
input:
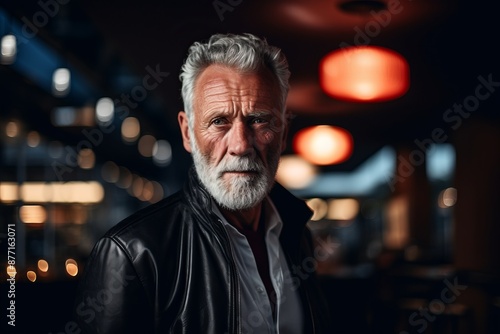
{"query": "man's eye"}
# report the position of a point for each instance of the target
(259, 120)
(218, 121)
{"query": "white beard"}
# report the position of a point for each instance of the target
(240, 191)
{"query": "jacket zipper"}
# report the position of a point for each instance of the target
(235, 298)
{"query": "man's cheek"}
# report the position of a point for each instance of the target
(267, 137)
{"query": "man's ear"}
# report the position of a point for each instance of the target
(184, 125)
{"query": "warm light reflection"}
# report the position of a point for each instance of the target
(294, 172)
(397, 229)
(33, 139)
(78, 192)
(319, 208)
(110, 172)
(71, 267)
(301, 13)
(364, 73)
(342, 209)
(35, 192)
(323, 144)
(61, 82)
(32, 214)
(11, 271)
(137, 186)
(86, 117)
(145, 145)
(12, 129)
(147, 191)
(447, 198)
(79, 214)
(86, 158)
(8, 192)
(54, 192)
(31, 275)
(43, 265)
(125, 178)
(157, 192)
(130, 129)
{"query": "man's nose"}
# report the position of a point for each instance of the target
(240, 141)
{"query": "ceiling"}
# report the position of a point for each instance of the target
(447, 44)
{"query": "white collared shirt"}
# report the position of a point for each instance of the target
(256, 314)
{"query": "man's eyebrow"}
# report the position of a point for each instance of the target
(256, 113)
(260, 113)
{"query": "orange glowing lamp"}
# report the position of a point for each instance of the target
(364, 74)
(323, 144)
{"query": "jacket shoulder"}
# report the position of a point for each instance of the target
(150, 215)
(151, 227)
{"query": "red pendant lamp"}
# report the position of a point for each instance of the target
(364, 74)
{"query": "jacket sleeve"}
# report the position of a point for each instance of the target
(110, 297)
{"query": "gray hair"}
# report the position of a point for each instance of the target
(242, 52)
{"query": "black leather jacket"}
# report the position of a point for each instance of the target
(169, 268)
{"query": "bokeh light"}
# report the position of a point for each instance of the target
(323, 144)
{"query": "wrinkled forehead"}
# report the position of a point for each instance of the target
(219, 84)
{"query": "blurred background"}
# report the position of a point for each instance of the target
(394, 143)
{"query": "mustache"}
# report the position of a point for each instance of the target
(240, 164)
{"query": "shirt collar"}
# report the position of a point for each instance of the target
(272, 218)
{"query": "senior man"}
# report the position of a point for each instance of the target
(230, 252)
